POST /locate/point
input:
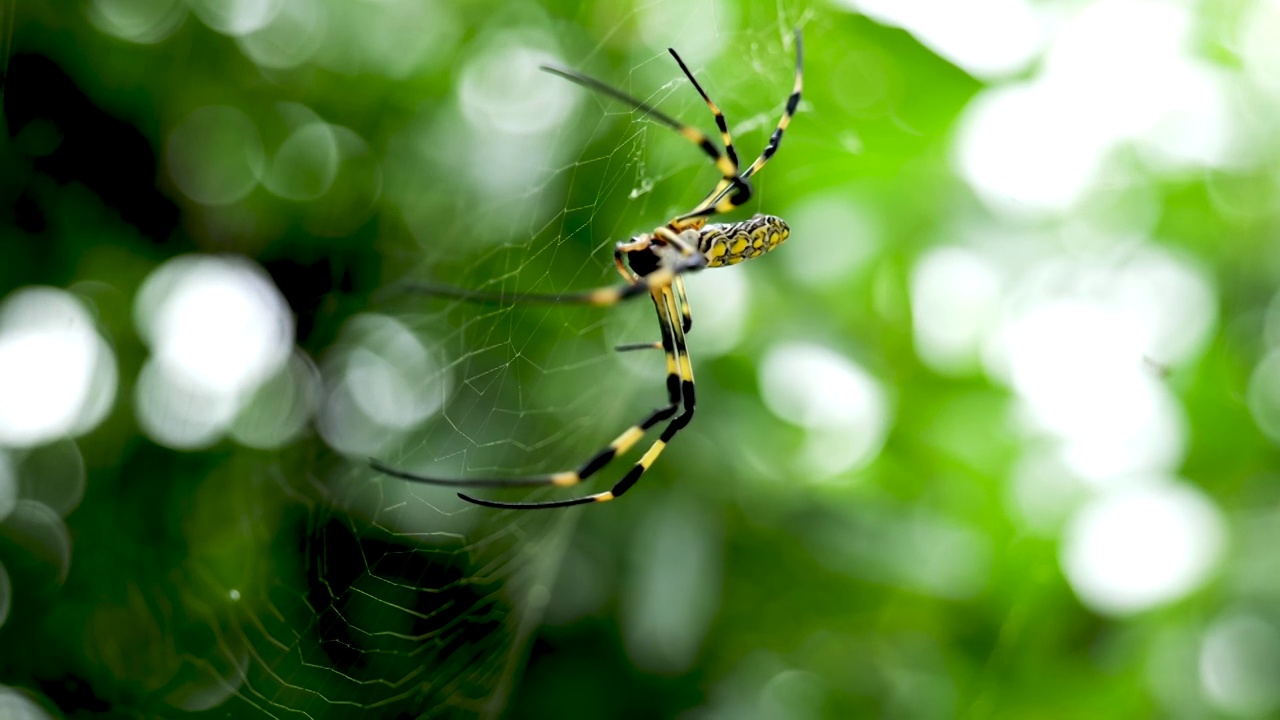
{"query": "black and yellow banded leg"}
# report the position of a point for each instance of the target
(661, 279)
(686, 315)
(789, 112)
(729, 150)
(721, 199)
(620, 445)
(677, 424)
(728, 168)
(679, 381)
(715, 110)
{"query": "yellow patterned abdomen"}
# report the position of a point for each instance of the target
(731, 243)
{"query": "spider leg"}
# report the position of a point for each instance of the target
(719, 116)
(789, 112)
(730, 151)
(599, 460)
(686, 321)
(623, 270)
(628, 347)
(686, 242)
(620, 445)
(727, 165)
(600, 297)
(620, 251)
(679, 384)
(721, 200)
(686, 315)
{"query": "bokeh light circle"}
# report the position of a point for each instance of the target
(1239, 664)
(16, 706)
(8, 485)
(218, 329)
(503, 89)
(1264, 395)
(845, 409)
(1143, 546)
(215, 155)
(383, 378)
(141, 21)
(216, 322)
(306, 164)
(57, 375)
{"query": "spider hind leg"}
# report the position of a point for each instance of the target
(679, 389)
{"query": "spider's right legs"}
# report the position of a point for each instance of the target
(677, 424)
(620, 444)
(680, 381)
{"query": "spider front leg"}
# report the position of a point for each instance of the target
(726, 196)
(686, 242)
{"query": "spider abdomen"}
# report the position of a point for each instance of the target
(731, 243)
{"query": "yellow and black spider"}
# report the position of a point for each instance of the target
(653, 263)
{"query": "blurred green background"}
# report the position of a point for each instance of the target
(993, 435)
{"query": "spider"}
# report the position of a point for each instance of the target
(652, 263)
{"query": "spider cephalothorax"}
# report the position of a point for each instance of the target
(654, 263)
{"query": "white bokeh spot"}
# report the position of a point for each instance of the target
(218, 328)
(57, 374)
(1142, 547)
(844, 408)
(987, 38)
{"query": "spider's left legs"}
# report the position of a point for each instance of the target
(721, 200)
(715, 111)
(600, 297)
(628, 347)
(793, 102)
(729, 150)
(728, 168)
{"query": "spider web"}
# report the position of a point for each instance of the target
(374, 597)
